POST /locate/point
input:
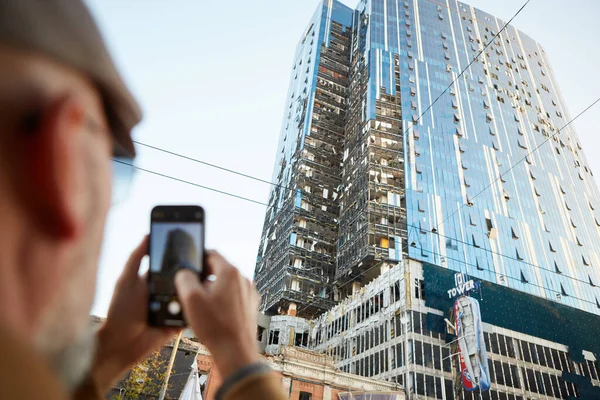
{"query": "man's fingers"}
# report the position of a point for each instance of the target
(132, 266)
(218, 266)
(191, 294)
(188, 285)
(214, 263)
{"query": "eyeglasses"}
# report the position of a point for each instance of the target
(123, 168)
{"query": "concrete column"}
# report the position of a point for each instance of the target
(292, 309)
(286, 384)
(326, 392)
(355, 287)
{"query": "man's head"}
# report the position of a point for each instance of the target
(63, 112)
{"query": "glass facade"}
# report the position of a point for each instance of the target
(495, 186)
(488, 180)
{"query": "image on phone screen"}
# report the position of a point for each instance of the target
(176, 242)
(175, 245)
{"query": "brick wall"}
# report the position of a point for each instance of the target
(299, 386)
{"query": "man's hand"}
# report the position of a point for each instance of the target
(222, 313)
(125, 338)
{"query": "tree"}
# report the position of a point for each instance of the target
(145, 380)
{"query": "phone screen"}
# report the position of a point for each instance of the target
(176, 242)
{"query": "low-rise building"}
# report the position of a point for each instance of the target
(395, 329)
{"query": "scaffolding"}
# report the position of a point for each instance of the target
(296, 265)
(373, 226)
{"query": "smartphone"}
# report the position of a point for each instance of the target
(176, 242)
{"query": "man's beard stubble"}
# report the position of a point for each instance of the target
(72, 362)
(68, 344)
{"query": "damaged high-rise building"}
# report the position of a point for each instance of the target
(297, 255)
(426, 139)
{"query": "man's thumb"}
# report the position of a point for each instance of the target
(189, 288)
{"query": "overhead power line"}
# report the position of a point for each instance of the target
(521, 160)
(467, 67)
(212, 165)
(363, 273)
(207, 164)
(499, 254)
(292, 211)
(512, 278)
(507, 276)
(406, 131)
(190, 183)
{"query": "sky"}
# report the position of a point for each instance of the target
(212, 76)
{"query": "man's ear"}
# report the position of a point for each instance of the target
(54, 168)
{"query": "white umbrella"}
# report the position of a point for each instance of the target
(191, 391)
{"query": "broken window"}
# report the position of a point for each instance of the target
(419, 289)
(301, 339)
(490, 228)
(274, 337)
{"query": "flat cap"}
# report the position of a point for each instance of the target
(65, 31)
